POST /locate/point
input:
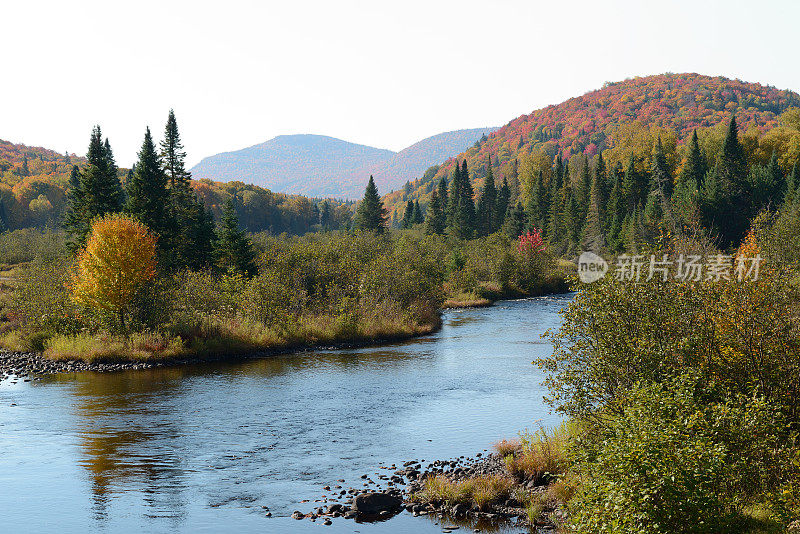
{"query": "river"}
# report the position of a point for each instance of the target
(204, 448)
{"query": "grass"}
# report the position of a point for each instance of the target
(480, 491)
(214, 337)
(541, 455)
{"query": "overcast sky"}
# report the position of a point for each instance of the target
(385, 74)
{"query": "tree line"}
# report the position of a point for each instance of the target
(158, 193)
(612, 208)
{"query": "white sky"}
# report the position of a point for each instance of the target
(385, 74)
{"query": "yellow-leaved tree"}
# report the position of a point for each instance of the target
(118, 260)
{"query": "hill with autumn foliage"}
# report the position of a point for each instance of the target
(34, 182)
(618, 119)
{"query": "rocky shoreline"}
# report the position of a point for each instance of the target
(385, 495)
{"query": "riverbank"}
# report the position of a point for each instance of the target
(393, 489)
(28, 365)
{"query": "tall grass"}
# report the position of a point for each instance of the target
(481, 491)
(541, 455)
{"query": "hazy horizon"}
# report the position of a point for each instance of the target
(383, 75)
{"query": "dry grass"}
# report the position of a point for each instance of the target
(469, 299)
(140, 346)
(542, 455)
(506, 447)
(482, 491)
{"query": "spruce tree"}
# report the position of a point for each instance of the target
(417, 218)
(501, 208)
(233, 250)
(147, 191)
(408, 215)
(660, 177)
(792, 183)
(99, 193)
(515, 223)
(461, 216)
(75, 220)
(325, 216)
(487, 204)
(733, 206)
(370, 214)
(186, 233)
(435, 220)
(593, 238)
(695, 167)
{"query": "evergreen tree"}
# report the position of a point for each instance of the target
(417, 217)
(487, 204)
(634, 186)
(695, 167)
(325, 216)
(792, 183)
(732, 203)
(443, 197)
(435, 220)
(660, 177)
(408, 215)
(233, 249)
(99, 193)
(75, 221)
(461, 205)
(370, 214)
(186, 233)
(147, 190)
(593, 238)
(515, 223)
(24, 169)
(503, 200)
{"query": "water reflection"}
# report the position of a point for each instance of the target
(209, 445)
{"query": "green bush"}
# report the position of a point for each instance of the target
(681, 457)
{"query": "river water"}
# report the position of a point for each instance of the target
(204, 448)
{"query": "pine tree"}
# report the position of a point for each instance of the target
(408, 215)
(233, 250)
(417, 217)
(147, 191)
(24, 169)
(435, 220)
(634, 186)
(487, 204)
(370, 214)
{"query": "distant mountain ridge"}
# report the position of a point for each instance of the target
(322, 166)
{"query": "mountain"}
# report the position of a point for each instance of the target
(604, 119)
(321, 166)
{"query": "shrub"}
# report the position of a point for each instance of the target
(118, 261)
(675, 460)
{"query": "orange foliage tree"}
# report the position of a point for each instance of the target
(118, 260)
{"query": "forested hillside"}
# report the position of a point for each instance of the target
(620, 120)
(34, 184)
